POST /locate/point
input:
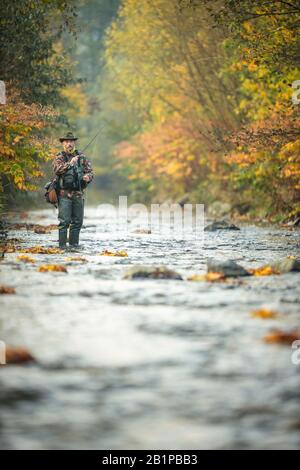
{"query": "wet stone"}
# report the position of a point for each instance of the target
(220, 225)
(151, 272)
(228, 268)
(286, 265)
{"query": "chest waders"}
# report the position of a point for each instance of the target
(71, 205)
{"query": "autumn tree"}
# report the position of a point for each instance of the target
(207, 90)
(164, 65)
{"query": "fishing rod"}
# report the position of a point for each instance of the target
(91, 141)
(101, 128)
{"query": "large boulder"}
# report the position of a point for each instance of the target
(151, 272)
(220, 225)
(228, 268)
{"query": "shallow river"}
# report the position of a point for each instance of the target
(157, 364)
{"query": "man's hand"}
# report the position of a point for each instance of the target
(74, 160)
(86, 178)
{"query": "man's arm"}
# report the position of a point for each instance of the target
(60, 166)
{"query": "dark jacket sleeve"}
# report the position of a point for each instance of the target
(60, 165)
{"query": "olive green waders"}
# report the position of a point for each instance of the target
(70, 215)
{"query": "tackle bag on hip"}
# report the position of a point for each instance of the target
(51, 194)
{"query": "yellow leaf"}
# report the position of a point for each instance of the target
(52, 267)
(111, 253)
(25, 259)
(41, 250)
(264, 313)
(282, 337)
(210, 277)
(7, 290)
(263, 271)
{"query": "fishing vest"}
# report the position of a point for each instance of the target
(72, 179)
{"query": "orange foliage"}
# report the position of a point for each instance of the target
(263, 271)
(282, 337)
(7, 290)
(26, 259)
(171, 152)
(20, 149)
(52, 268)
(113, 253)
(264, 313)
(41, 250)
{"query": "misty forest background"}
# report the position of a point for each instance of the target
(194, 98)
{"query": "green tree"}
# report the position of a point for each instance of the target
(29, 59)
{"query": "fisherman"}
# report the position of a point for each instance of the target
(74, 172)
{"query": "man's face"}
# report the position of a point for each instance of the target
(68, 145)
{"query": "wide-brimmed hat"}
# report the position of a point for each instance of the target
(68, 136)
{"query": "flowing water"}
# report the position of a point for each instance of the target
(149, 364)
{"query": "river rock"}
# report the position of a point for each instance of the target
(229, 268)
(151, 272)
(220, 225)
(286, 265)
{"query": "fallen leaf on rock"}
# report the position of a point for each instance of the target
(76, 258)
(17, 355)
(7, 290)
(8, 248)
(282, 337)
(113, 253)
(35, 227)
(41, 250)
(264, 313)
(263, 271)
(41, 230)
(210, 277)
(44, 228)
(52, 267)
(25, 259)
